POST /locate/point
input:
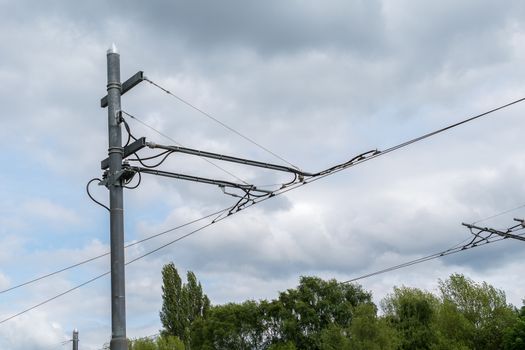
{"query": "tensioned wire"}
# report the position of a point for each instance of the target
(224, 125)
(453, 250)
(281, 191)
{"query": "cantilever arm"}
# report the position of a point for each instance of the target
(497, 232)
(229, 159)
(220, 183)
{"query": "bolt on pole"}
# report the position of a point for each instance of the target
(116, 201)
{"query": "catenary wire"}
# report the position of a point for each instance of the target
(449, 251)
(107, 273)
(413, 262)
(284, 190)
(219, 122)
(55, 297)
(404, 144)
(178, 144)
(107, 253)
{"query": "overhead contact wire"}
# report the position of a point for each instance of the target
(107, 253)
(291, 187)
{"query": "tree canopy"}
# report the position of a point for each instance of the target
(328, 315)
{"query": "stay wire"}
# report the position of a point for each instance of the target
(220, 122)
(178, 144)
(291, 187)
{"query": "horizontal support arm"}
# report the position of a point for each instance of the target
(497, 232)
(229, 159)
(219, 183)
(126, 86)
(128, 150)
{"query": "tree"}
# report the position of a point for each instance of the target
(369, 332)
(302, 314)
(161, 343)
(173, 313)
(230, 327)
(315, 315)
(483, 311)
(411, 312)
(182, 304)
(514, 337)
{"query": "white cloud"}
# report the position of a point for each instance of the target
(318, 86)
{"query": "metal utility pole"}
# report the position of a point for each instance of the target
(75, 339)
(113, 180)
(116, 204)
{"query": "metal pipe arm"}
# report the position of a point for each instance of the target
(220, 183)
(229, 159)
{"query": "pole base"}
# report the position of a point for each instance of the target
(118, 344)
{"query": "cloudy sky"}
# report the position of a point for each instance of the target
(317, 82)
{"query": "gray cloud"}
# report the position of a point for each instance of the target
(318, 84)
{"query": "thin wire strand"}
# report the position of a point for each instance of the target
(426, 258)
(54, 297)
(180, 145)
(499, 214)
(107, 253)
(220, 122)
(289, 188)
(108, 272)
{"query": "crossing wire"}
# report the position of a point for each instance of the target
(292, 187)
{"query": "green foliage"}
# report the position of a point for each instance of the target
(481, 310)
(334, 337)
(170, 343)
(161, 343)
(454, 331)
(282, 346)
(313, 306)
(514, 336)
(327, 315)
(307, 317)
(230, 326)
(142, 344)
(411, 312)
(368, 332)
(182, 304)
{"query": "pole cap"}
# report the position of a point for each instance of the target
(113, 49)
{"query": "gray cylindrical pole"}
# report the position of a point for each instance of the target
(116, 201)
(75, 339)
